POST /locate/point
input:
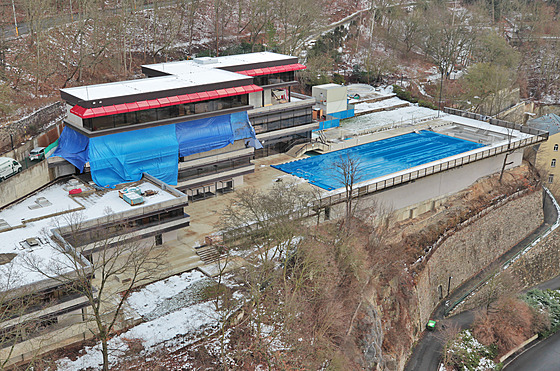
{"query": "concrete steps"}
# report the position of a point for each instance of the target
(208, 254)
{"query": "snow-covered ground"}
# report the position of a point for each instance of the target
(174, 309)
(382, 104)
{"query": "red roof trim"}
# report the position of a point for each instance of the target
(153, 103)
(143, 104)
(213, 94)
(163, 102)
(271, 70)
(86, 113)
(121, 108)
(174, 100)
(78, 110)
(110, 110)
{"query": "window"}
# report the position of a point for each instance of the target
(550, 178)
(553, 163)
(556, 148)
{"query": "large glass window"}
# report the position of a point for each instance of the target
(214, 168)
(169, 112)
(275, 78)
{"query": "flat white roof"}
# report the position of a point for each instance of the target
(52, 215)
(180, 67)
(182, 74)
(196, 75)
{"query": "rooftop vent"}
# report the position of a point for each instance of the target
(206, 60)
(40, 202)
(30, 242)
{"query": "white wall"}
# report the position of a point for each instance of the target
(424, 193)
(255, 99)
(73, 119)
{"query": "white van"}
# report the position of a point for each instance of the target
(8, 167)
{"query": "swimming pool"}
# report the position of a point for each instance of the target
(379, 158)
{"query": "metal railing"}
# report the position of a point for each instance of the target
(310, 146)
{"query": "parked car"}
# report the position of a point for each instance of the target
(431, 325)
(37, 154)
(8, 167)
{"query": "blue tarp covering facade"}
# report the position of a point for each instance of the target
(204, 135)
(73, 147)
(123, 157)
(379, 158)
(242, 129)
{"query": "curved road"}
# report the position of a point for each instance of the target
(544, 356)
(426, 353)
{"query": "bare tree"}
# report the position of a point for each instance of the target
(270, 223)
(347, 171)
(446, 39)
(15, 304)
(509, 152)
(296, 20)
(114, 266)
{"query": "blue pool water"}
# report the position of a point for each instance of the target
(379, 158)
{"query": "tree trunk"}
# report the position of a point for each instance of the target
(105, 353)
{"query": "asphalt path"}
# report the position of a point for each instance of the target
(544, 356)
(427, 352)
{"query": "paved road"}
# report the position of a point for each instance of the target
(426, 354)
(545, 356)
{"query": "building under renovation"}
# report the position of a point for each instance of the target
(195, 124)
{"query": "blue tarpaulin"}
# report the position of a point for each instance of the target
(204, 134)
(378, 158)
(123, 157)
(73, 147)
(242, 129)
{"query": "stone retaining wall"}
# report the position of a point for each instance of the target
(471, 249)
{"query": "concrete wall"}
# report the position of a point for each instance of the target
(255, 99)
(475, 246)
(23, 183)
(424, 194)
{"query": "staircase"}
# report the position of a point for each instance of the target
(300, 149)
(208, 254)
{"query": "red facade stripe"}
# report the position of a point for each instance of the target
(271, 70)
(86, 113)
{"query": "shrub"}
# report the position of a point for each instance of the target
(404, 94)
(508, 325)
(425, 103)
(546, 301)
(466, 353)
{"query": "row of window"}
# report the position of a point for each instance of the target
(214, 168)
(281, 145)
(105, 232)
(275, 78)
(38, 300)
(282, 120)
(169, 112)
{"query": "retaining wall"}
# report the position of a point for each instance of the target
(475, 246)
(23, 183)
